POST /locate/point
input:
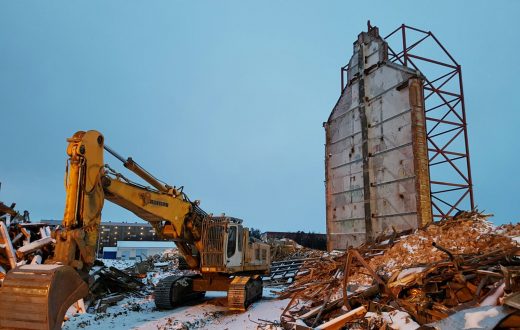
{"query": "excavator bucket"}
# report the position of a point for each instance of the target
(38, 296)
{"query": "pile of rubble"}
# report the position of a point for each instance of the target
(114, 280)
(108, 286)
(287, 258)
(287, 249)
(21, 242)
(453, 270)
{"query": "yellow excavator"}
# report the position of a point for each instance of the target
(37, 296)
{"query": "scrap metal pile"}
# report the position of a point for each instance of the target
(406, 280)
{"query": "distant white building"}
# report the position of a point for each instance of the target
(135, 249)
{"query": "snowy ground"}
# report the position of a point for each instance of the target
(211, 313)
(118, 263)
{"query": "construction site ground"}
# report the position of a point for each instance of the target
(464, 268)
(137, 310)
(211, 312)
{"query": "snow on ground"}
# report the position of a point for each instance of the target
(211, 313)
(118, 263)
(473, 319)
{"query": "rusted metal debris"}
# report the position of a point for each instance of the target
(421, 277)
(284, 272)
(287, 258)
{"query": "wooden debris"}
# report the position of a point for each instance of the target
(429, 274)
(23, 242)
(338, 322)
(33, 246)
(7, 245)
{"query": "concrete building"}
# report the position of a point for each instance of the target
(135, 249)
(376, 157)
(113, 232)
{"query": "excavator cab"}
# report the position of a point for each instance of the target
(230, 261)
(227, 247)
(234, 245)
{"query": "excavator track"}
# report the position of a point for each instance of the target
(175, 290)
(243, 291)
(38, 296)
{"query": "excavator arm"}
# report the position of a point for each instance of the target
(89, 182)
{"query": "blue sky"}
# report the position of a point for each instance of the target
(227, 98)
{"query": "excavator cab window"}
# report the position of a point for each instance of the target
(240, 238)
(232, 241)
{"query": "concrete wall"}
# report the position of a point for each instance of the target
(376, 165)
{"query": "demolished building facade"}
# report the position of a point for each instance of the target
(376, 153)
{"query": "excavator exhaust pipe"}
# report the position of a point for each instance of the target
(38, 296)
